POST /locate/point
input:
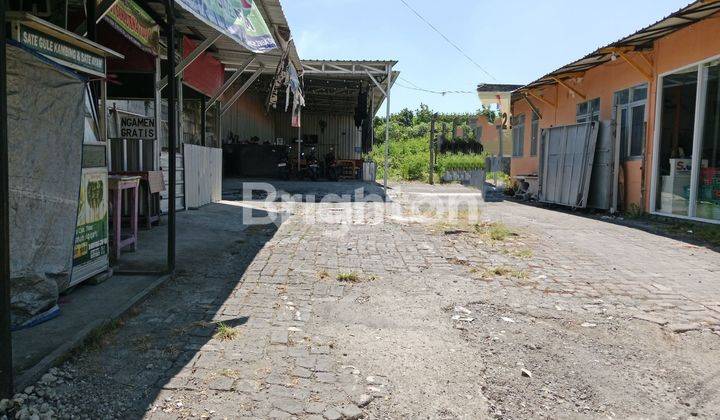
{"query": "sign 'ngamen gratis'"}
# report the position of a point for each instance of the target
(135, 127)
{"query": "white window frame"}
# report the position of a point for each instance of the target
(629, 106)
(521, 140)
(697, 138)
(588, 116)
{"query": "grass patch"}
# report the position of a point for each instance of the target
(348, 277)
(99, 337)
(230, 373)
(497, 231)
(225, 332)
(142, 344)
(633, 211)
(503, 271)
(705, 232)
(524, 254)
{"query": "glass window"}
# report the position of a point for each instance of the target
(639, 93)
(675, 151)
(629, 115)
(534, 135)
(622, 97)
(518, 135)
(708, 195)
(588, 111)
(582, 108)
(637, 130)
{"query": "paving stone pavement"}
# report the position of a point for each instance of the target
(280, 292)
(665, 279)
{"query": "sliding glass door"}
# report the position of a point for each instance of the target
(677, 134)
(687, 176)
(708, 196)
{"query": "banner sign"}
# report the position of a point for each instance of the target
(133, 22)
(240, 20)
(135, 127)
(91, 234)
(60, 51)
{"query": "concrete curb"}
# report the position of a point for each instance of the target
(32, 375)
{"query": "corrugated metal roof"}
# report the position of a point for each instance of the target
(692, 13)
(488, 87)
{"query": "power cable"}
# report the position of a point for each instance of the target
(448, 40)
(437, 92)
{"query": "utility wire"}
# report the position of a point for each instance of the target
(460, 50)
(437, 92)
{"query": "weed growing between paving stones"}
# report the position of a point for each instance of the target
(99, 337)
(503, 271)
(142, 344)
(348, 277)
(524, 254)
(225, 332)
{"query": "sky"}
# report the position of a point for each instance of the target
(515, 41)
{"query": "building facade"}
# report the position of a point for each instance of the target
(659, 89)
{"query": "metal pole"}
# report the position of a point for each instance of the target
(91, 20)
(299, 143)
(6, 373)
(172, 133)
(432, 150)
(372, 119)
(203, 121)
(158, 114)
(387, 130)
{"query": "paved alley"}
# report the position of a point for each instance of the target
(524, 313)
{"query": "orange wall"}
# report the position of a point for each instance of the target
(490, 135)
(687, 46)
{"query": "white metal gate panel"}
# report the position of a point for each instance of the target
(203, 175)
(179, 181)
(566, 161)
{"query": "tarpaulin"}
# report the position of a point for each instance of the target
(205, 74)
(134, 23)
(45, 134)
(240, 20)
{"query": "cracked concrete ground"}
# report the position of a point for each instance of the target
(557, 316)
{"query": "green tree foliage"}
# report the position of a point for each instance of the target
(410, 148)
(404, 118)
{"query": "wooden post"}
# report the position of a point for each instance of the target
(432, 150)
(6, 373)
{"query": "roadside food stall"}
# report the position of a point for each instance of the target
(58, 163)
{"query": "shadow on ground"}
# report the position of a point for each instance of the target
(123, 369)
(700, 234)
(236, 189)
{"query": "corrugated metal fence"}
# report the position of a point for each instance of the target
(336, 131)
(203, 175)
(567, 154)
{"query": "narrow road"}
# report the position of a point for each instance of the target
(522, 313)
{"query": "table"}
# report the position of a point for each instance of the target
(117, 184)
(152, 184)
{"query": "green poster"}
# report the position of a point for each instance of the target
(91, 235)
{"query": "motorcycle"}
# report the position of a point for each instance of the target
(283, 167)
(313, 167)
(331, 168)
